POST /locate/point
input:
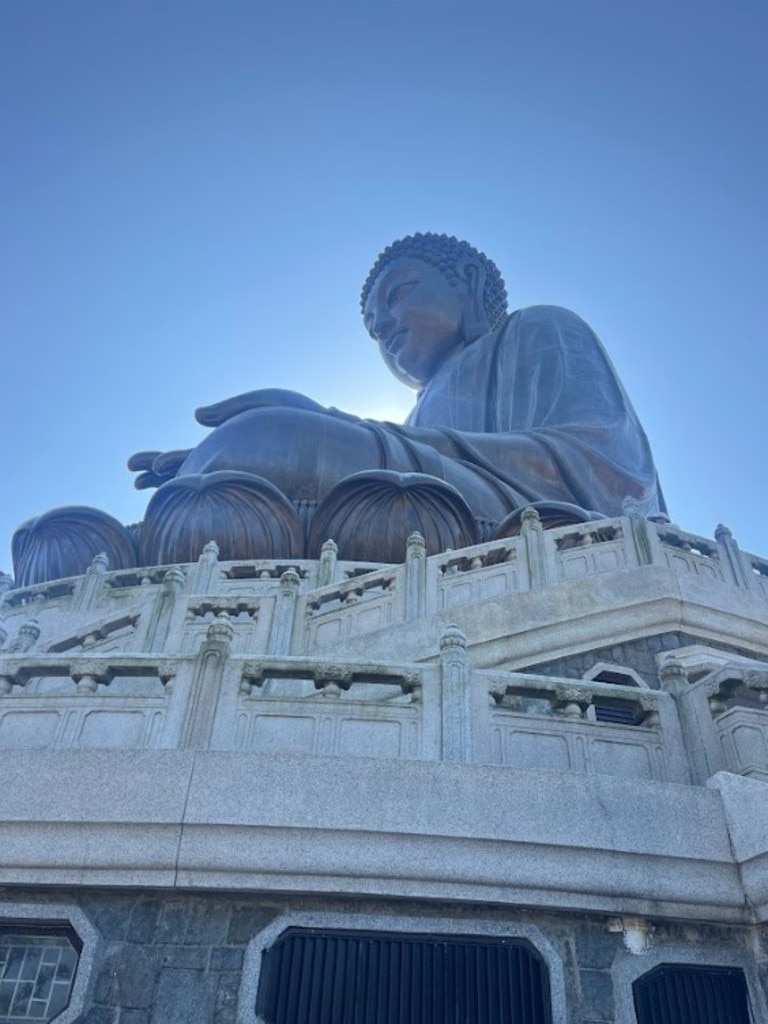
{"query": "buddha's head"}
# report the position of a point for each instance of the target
(427, 296)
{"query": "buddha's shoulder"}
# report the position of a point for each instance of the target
(544, 314)
(536, 332)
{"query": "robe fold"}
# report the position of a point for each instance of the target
(533, 411)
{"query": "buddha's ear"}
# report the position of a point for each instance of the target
(471, 274)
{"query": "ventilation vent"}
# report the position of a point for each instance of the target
(615, 677)
(691, 995)
(376, 978)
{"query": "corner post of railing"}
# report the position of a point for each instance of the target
(281, 632)
(415, 577)
(208, 570)
(91, 584)
(207, 679)
(456, 677)
(697, 728)
(326, 571)
(160, 620)
(730, 556)
(540, 573)
(645, 539)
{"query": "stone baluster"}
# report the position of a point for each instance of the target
(730, 556)
(330, 680)
(415, 577)
(572, 701)
(208, 570)
(757, 680)
(326, 571)
(251, 674)
(90, 587)
(456, 673)
(88, 674)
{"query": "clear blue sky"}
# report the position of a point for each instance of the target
(192, 194)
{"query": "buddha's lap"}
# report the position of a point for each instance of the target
(299, 451)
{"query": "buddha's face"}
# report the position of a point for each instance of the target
(416, 315)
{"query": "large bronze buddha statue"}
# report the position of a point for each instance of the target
(512, 410)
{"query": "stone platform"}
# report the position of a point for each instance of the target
(560, 736)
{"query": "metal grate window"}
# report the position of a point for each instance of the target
(311, 977)
(37, 971)
(680, 994)
(614, 711)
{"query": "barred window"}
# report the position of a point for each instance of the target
(691, 995)
(337, 977)
(37, 972)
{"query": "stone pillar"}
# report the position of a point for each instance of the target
(281, 631)
(326, 571)
(206, 684)
(26, 638)
(415, 577)
(456, 673)
(532, 532)
(208, 571)
(645, 540)
(730, 556)
(160, 619)
(91, 585)
(698, 730)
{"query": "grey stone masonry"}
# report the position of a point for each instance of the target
(186, 959)
(642, 655)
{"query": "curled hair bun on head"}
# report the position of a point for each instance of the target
(444, 252)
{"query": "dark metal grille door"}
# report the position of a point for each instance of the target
(677, 994)
(311, 977)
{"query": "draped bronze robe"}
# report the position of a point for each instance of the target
(533, 411)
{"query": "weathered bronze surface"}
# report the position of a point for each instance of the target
(513, 410)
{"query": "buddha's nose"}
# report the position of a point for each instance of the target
(382, 322)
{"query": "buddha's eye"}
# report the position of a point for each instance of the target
(399, 292)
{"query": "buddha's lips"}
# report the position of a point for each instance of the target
(393, 345)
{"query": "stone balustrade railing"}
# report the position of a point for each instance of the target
(447, 710)
(217, 654)
(578, 700)
(724, 717)
(537, 558)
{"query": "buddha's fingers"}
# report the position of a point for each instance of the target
(155, 468)
(264, 398)
(142, 461)
(168, 464)
(145, 480)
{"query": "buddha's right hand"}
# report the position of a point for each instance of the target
(264, 398)
(155, 468)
